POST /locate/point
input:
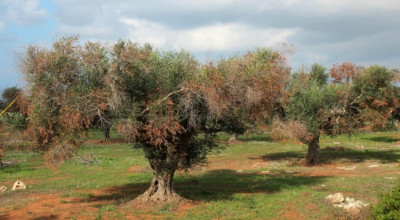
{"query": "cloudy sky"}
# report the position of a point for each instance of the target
(324, 31)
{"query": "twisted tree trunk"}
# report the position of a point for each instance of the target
(233, 137)
(1, 163)
(313, 152)
(107, 134)
(161, 189)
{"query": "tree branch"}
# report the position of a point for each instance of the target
(165, 98)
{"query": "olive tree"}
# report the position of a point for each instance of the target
(60, 97)
(316, 108)
(307, 108)
(255, 84)
(356, 98)
(378, 95)
(170, 105)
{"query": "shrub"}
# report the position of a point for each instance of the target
(14, 126)
(14, 121)
(388, 206)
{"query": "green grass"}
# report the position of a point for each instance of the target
(99, 135)
(219, 192)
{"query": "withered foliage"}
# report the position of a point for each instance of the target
(343, 73)
(170, 105)
(290, 130)
(61, 98)
(244, 90)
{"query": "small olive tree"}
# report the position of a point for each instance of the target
(316, 108)
(356, 98)
(307, 110)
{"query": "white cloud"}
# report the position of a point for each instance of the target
(25, 12)
(230, 37)
(214, 37)
(1, 26)
(92, 31)
(144, 31)
(327, 6)
(356, 5)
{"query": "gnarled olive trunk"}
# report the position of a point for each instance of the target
(233, 137)
(161, 189)
(164, 161)
(313, 152)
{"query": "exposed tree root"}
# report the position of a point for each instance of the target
(160, 192)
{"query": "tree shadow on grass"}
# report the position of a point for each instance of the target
(330, 154)
(289, 155)
(383, 139)
(215, 185)
(16, 168)
(254, 137)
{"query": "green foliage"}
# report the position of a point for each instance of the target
(14, 125)
(14, 121)
(9, 94)
(129, 64)
(389, 205)
(318, 75)
(375, 83)
(156, 110)
(377, 95)
(172, 68)
(236, 123)
(310, 105)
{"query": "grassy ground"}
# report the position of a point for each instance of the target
(254, 178)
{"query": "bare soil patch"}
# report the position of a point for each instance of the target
(292, 213)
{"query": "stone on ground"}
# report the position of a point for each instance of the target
(350, 205)
(18, 185)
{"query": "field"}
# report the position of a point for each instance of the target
(254, 178)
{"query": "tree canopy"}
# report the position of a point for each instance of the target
(164, 102)
(356, 98)
(62, 96)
